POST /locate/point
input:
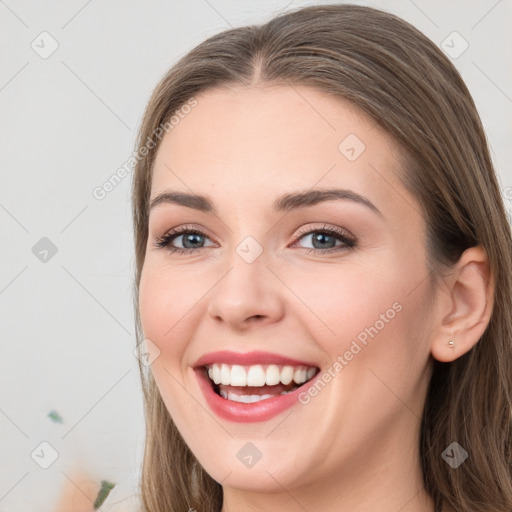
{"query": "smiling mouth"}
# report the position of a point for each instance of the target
(249, 384)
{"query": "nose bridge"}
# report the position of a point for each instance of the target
(249, 289)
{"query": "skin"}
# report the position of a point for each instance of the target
(353, 447)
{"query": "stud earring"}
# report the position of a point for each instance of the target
(452, 345)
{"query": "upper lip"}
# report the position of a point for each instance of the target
(248, 359)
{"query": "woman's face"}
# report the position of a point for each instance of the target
(285, 283)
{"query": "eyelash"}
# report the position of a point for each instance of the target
(165, 240)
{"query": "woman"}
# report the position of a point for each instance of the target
(370, 373)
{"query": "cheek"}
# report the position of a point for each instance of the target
(163, 305)
(375, 328)
(372, 316)
(350, 303)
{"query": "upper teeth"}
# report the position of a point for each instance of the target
(258, 375)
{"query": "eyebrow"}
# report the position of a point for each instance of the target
(284, 203)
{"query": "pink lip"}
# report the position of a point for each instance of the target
(242, 412)
(247, 359)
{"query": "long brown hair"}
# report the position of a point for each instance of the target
(396, 75)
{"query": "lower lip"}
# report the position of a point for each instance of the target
(247, 413)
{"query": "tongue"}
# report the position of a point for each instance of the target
(258, 390)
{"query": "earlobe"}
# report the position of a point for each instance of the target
(447, 351)
(466, 307)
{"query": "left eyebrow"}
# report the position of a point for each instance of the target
(284, 203)
(304, 199)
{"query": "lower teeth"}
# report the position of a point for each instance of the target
(247, 399)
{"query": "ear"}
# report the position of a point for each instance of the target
(464, 306)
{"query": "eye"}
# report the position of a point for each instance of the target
(323, 238)
(191, 237)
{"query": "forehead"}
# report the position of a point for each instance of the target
(277, 119)
(256, 142)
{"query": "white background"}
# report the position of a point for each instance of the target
(68, 122)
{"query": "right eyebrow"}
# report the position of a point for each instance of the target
(197, 202)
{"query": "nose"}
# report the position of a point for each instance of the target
(248, 294)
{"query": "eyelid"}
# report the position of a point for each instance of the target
(327, 227)
(182, 229)
(342, 234)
